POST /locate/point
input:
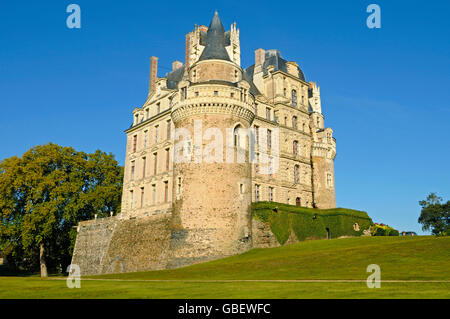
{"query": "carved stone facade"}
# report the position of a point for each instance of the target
(209, 202)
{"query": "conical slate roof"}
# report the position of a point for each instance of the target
(215, 41)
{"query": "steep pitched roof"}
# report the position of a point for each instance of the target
(215, 41)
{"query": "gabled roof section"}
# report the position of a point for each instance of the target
(273, 57)
(215, 41)
(174, 77)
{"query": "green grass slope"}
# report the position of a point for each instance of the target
(400, 258)
(404, 259)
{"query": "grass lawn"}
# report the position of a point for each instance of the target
(403, 259)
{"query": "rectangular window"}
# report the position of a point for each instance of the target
(294, 122)
(155, 163)
(257, 164)
(270, 194)
(147, 113)
(131, 199)
(184, 93)
(156, 134)
(167, 159)
(142, 197)
(269, 139)
(216, 93)
(294, 98)
(329, 180)
(166, 191)
(295, 147)
(145, 138)
(268, 113)
(270, 166)
(132, 170)
(144, 164)
(296, 174)
(256, 193)
(134, 143)
(154, 194)
(158, 108)
(257, 135)
(168, 129)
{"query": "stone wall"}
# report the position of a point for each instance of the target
(262, 236)
(92, 243)
(113, 245)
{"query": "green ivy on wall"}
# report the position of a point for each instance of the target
(310, 223)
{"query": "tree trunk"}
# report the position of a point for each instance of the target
(42, 262)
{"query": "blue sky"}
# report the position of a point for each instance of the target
(385, 92)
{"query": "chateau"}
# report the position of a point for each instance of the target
(184, 201)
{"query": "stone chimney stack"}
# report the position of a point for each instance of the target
(259, 57)
(153, 74)
(176, 65)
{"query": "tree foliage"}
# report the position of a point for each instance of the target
(435, 215)
(44, 195)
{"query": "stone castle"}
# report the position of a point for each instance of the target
(178, 212)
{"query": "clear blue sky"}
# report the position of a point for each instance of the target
(385, 92)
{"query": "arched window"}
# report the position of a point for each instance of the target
(236, 136)
(239, 137)
(294, 122)
(294, 98)
(284, 92)
(297, 201)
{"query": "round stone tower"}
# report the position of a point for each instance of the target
(212, 182)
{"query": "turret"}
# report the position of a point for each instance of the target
(212, 189)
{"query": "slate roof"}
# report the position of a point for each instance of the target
(215, 41)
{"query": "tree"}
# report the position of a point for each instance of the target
(435, 215)
(44, 195)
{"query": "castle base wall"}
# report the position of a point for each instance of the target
(113, 245)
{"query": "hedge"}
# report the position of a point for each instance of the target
(309, 223)
(383, 230)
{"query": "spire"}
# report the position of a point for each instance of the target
(215, 41)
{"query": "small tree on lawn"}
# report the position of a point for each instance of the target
(435, 215)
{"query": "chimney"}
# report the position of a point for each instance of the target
(259, 56)
(188, 50)
(176, 65)
(153, 74)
